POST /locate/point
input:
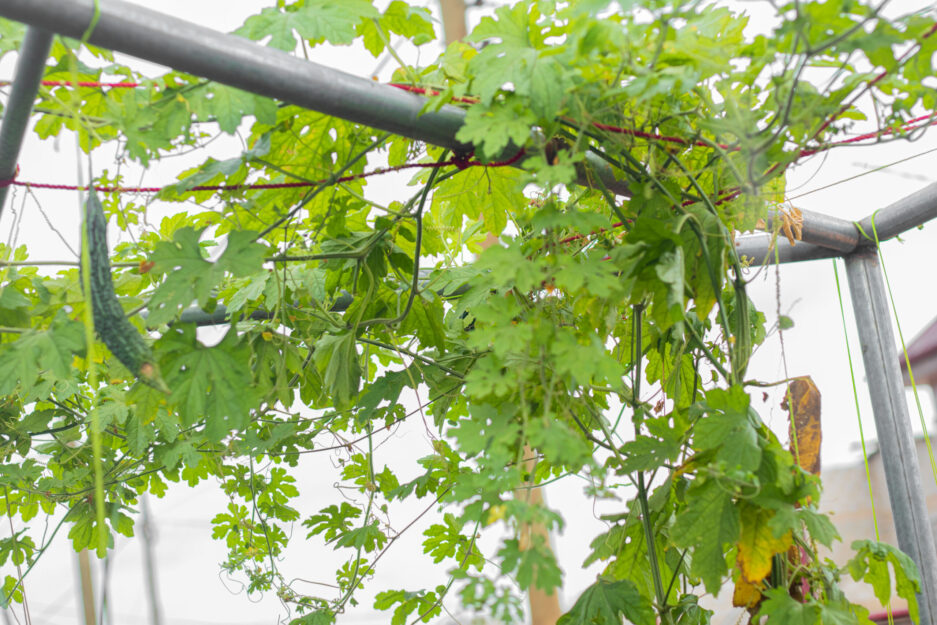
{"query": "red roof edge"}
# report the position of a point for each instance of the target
(882, 617)
(922, 345)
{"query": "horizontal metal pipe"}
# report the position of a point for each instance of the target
(219, 315)
(238, 62)
(823, 230)
(758, 249)
(30, 67)
(823, 236)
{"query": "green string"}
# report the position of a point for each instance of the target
(855, 396)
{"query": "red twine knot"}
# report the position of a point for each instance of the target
(12, 179)
(462, 160)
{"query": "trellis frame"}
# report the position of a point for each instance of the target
(240, 63)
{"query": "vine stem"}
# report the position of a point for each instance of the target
(355, 580)
(642, 488)
(417, 245)
(325, 185)
(9, 596)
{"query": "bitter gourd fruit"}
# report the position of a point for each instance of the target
(110, 322)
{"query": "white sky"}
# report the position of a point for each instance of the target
(192, 590)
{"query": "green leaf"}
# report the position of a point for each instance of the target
(50, 352)
(606, 602)
(780, 607)
(228, 106)
(493, 129)
(426, 321)
(314, 20)
(385, 388)
(871, 566)
(708, 524)
(192, 278)
(729, 430)
(646, 453)
(478, 193)
(213, 384)
(323, 616)
(337, 359)
(332, 521)
(368, 538)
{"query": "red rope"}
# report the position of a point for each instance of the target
(932, 118)
(460, 162)
(913, 124)
(81, 83)
(91, 83)
(431, 92)
(873, 82)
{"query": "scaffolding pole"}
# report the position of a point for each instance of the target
(827, 237)
(907, 213)
(893, 422)
(238, 62)
(30, 67)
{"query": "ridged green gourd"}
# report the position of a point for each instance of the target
(110, 322)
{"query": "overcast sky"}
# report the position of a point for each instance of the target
(191, 587)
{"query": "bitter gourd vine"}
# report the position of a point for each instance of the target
(110, 322)
(604, 339)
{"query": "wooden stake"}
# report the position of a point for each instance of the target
(544, 607)
(87, 587)
(453, 20)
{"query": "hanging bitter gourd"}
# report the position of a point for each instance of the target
(110, 322)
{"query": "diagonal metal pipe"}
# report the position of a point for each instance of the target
(909, 212)
(30, 67)
(238, 62)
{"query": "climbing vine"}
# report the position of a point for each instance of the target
(605, 335)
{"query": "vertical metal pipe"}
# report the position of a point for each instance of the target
(893, 423)
(29, 69)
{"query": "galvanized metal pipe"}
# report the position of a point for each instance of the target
(823, 230)
(238, 62)
(30, 67)
(762, 248)
(907, 213)
(893, 422)
(831, 236)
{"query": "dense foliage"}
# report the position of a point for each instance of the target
(604, 336)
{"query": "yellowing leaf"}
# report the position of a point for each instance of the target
(758, 544)
(803, 402)
(495, 513)
(746, 594)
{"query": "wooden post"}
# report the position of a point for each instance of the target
(544, 607)
(87, 587)
(453, 20)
